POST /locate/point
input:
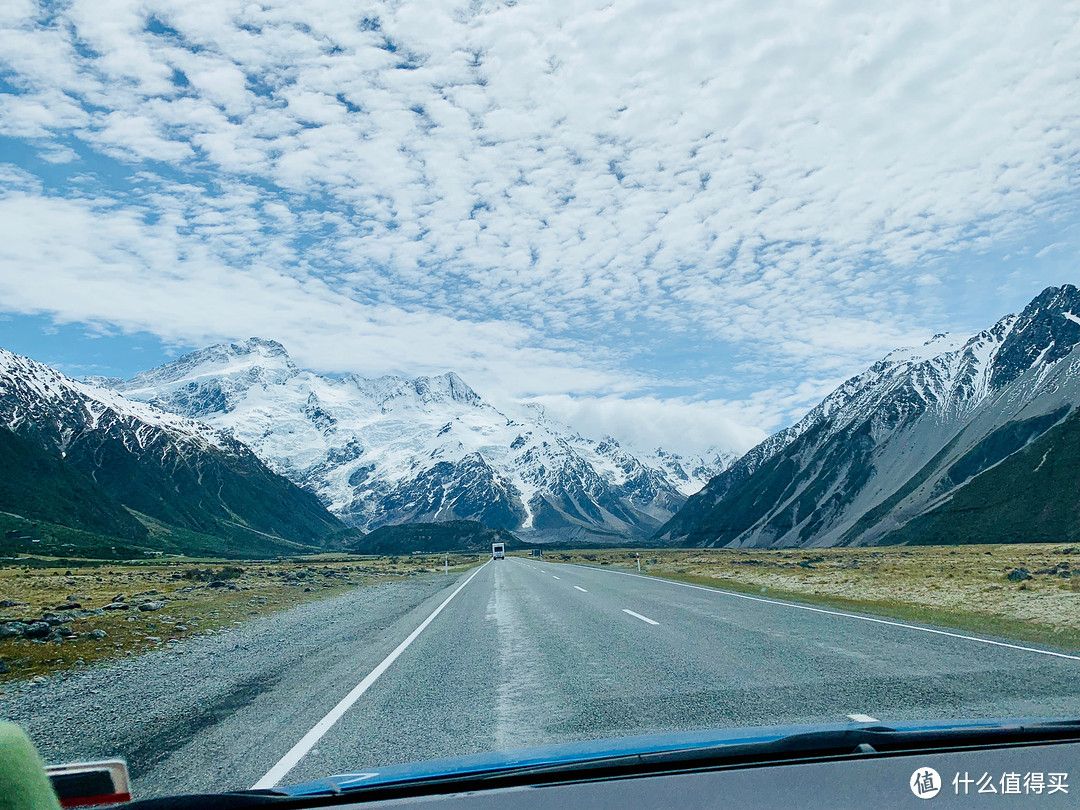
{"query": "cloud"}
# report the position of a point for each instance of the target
(90, 258)
(540, 195)
(676, 424)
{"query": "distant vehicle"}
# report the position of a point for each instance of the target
(498, 551)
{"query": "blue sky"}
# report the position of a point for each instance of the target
(673, 222)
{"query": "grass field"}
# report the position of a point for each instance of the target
(964, 587)
(191, 597)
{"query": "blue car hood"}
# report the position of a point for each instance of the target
(575, 752)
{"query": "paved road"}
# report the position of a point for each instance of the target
(529, 652)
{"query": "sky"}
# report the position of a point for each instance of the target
(675, 222)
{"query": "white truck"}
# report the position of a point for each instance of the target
(498, 551)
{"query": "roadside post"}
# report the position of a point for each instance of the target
(446, 564)
(638, 562)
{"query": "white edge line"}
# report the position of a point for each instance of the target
(581, 589)
(639, 616)
(863, 718)
(307, 742)
(555, 577)
(794, 606)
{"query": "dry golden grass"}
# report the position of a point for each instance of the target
(958, 586)
(191, 607)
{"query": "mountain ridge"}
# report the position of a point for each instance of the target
(855, 468)
(390, 449)
(170, 470)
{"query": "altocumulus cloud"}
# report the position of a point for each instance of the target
(611, 207)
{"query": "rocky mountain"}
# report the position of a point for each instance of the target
(89, 459)
(393, 450)
(917, 446)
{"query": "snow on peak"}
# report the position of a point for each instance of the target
(392, 393)
(255, 360)
(939, 344)
(36, 391)
(393, 449)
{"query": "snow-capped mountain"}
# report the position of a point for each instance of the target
(393, 450)
(159, 465)
(899, 440)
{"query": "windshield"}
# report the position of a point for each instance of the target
(388, 382)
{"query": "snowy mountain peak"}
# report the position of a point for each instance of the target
(1042, 333)
(937, 345)
(394, 393)
(392, 450)
(210, 379)
(267, 356)
(34, 394)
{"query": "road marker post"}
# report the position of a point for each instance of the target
(638, 562)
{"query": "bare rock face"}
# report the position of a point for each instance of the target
(883, 457)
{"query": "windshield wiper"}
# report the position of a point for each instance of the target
(813, 746)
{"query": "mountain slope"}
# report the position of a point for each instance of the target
(391, 450)
(900, 439)
(175, 471)
(41, 486)
(1032, 495)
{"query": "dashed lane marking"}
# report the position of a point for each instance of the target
(840, 613)
(639, 616)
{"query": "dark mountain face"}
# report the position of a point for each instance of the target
(1043, 332)
(1032, 495)
(40, 486)
(470, 489)
(914, 429)
(167, 468)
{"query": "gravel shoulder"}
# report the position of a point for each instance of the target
(272, 678)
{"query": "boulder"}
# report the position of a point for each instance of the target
(12, 629)
(38, 630)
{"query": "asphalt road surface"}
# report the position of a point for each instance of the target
(516, 653)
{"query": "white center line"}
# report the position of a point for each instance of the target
(581, 589)
(307, 742)
(793, 606)
(863, 718)
(639, 616)
(554, 577)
